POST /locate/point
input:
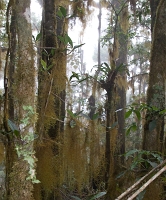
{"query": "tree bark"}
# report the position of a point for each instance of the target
(117, 147)
(153, 139)
(9, 147)
(153, 6)
(22, 87)
(51, 102)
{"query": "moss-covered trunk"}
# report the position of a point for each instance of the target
(111, 131)
(117, 99)
(121, 89)
(51, 102)
(111, 135)
(9, 147)
(154, 138)
(21, 96)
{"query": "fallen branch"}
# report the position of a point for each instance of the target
(147, 183)
(130, 189)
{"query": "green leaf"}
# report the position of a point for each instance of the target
(154, 108)
(103, 69)
(71, 113)
(63, 11)
(61, 39)
(45, 53)
(38, 37)
(49, 67)
(162, 112)
(69, 40)
(128, 113)
(59, 13)
(131, 152)
(83, 79)
(128, 131)
(44, 64)
(77, 46)
(133, 127)
(156, 155)
(17, 133)
(95, 116)
(98, 195)
(140, 16)
(153, 164)
(66, 39)
(77, 114)
(107, 67)
(52, 52)
(13, 126)
(72, 123)
(138, 114)
(74, 75)
(35, 181)
(152, 125)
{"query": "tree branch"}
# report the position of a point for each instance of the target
(147, 183)
(130, 189)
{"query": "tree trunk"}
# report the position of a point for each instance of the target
(122, 60)
(51, 103)
(9, 148)
(153, 138)
(22, 95)
(118, 139)
(153, 5)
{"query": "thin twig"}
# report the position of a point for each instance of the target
(48, 96)
(142, 74)
(46, 104)
(58, 97)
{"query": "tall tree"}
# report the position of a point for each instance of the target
(11, 30)
(121, 89)
(51, 99)
(154, 137)
(118, 95)
(22, 98)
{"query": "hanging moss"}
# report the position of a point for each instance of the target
(45, 164)
(124, 22)
(83, 155)
(2, 5)
(75, 157)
